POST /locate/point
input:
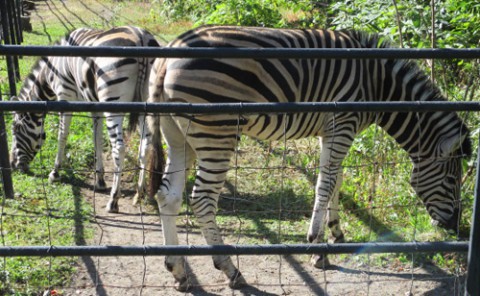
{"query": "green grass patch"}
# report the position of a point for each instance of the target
(57, 214)
(47, 214)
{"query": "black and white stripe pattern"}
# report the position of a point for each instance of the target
(436, 141)
(96, 79)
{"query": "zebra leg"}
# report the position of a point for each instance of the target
(334, 149)
(98, 144)
(180, 158)
(333, 218)
(204, 202)
(115, 133)
(63, 130)
(214, 154)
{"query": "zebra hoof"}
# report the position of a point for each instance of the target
(182, 285)
(237, 281)
(53, 177)
(136, 200)
(100, 185)
(320, 261)
(112, 207)
(151, 201)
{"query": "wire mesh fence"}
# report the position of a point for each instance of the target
(264, 211)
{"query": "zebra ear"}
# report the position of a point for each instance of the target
(450, 145)
(14, 99)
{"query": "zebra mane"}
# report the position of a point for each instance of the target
(371, 40)
(43, 59)
(368, 40)
(36, 68)
(38, 64)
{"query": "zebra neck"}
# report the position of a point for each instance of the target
(417, 133)
(36, 86)
(404, 128)
(421, 134)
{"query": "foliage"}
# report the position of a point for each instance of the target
(456, 22)
(456, 25)
(267, 13)
(248, 12)
(65, 225)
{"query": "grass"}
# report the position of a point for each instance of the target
(267, 199)
(46, 214)
(57, 214)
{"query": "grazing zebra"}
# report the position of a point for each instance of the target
(96, 79)
(435, 141)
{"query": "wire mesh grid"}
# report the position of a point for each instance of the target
(267, 199)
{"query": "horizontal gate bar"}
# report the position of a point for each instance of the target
(203, 250)
(236, 108)
(257, 53)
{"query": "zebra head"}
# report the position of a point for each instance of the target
(28, 137)
(28, 133)
(437, 180)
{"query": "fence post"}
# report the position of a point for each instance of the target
(4, 15)
(18, 22)
(13, 30)
(5, 169)
(4, 161)
(473, 273)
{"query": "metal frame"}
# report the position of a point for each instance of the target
(235, 108)
(242, 53)
(473, 285)
(207, 250)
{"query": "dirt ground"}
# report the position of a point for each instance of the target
(266, 275)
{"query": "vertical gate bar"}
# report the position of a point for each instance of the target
(7, 40)
(18, 21)
(13, 36)
(4, 159)
(473, 273)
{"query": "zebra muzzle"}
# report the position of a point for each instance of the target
(22, 167)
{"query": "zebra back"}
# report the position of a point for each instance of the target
(75, 78)
(298, 80)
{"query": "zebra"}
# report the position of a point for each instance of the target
(95, 79)
(435, 141)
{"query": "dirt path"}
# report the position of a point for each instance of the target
(267, 275)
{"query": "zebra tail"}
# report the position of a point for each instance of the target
(140, 95)
(155, 157)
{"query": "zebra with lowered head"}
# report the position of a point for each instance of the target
(435, 141)
(95, 79)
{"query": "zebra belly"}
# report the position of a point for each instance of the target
(284, 126)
